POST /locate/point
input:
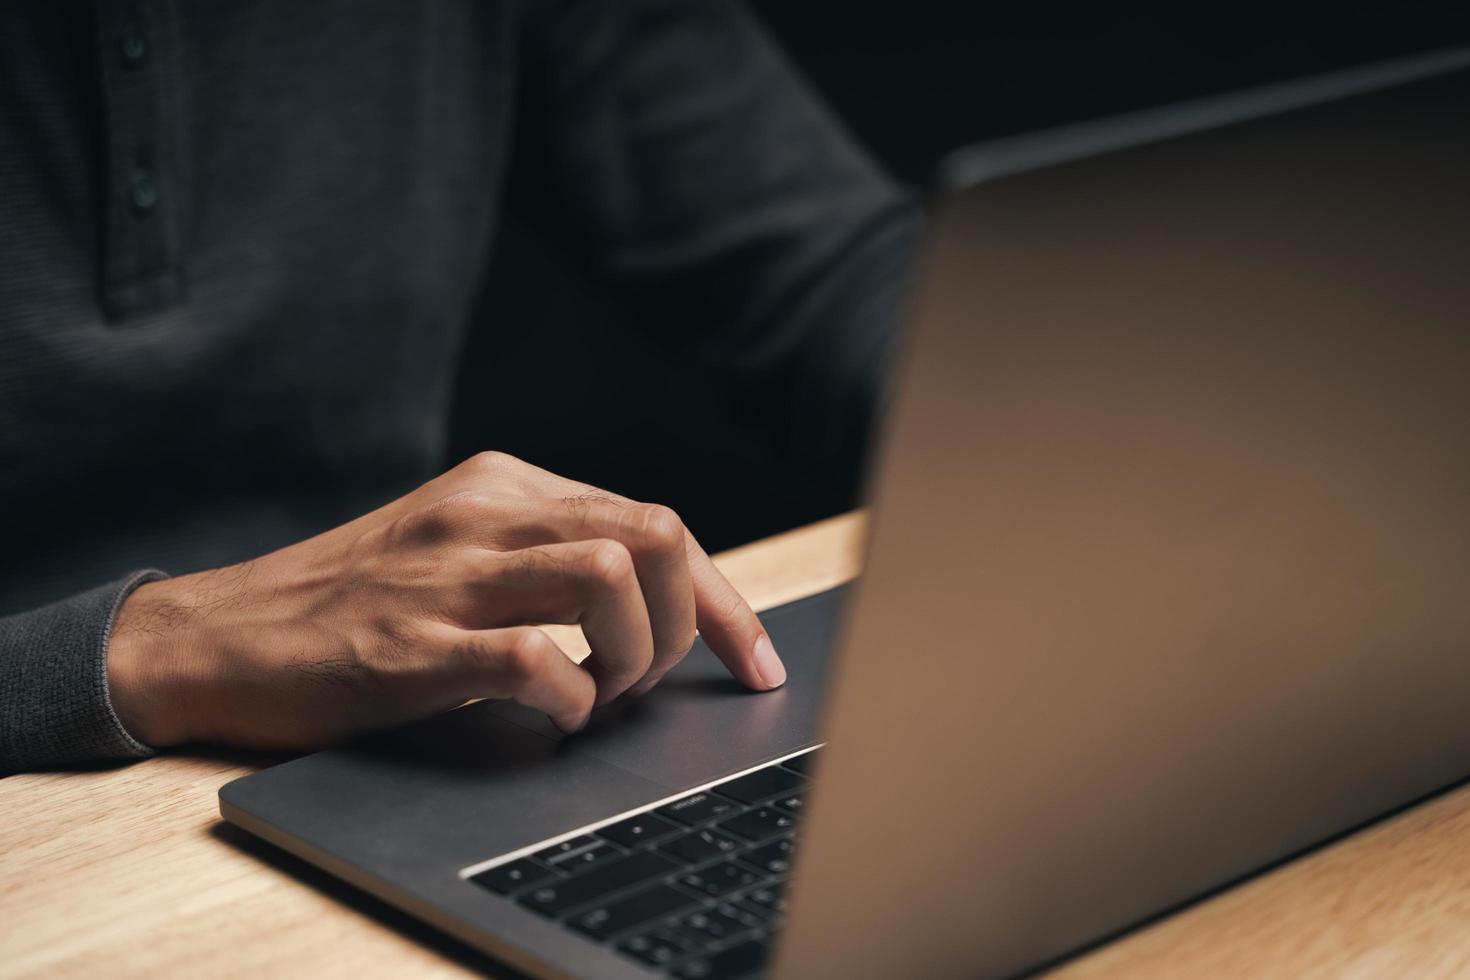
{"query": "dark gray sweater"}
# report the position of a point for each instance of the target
(239, 240)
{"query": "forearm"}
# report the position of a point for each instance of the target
(54, 703)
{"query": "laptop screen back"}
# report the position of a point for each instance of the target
(1170, 571)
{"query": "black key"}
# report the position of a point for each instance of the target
(804, 764)
(565, 847)
(513, 876)
(576, 860)
(699, 846)
(767, 900)
(632, 910)
(759, 824)
(773, 858)
(636, 830)
(697, 808)
(719, 878)
(657, 948)
(737, 961)
(762, 784)
(792, 803)
(558, 895)
(721, 922)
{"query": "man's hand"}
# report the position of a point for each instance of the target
(424, 604)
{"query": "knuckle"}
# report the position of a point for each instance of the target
(525, 653)
(492, 464)
(609, 562)
(657, 527)
(464, 507)
(633, 665)
(673, 648)
(488, 461)
(419, 527)
(443, 519)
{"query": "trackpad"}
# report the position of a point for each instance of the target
(492, 777)
(700, 723)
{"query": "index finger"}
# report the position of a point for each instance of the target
(730, 626)
(725, 620)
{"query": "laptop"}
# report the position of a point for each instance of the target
(1169, 580)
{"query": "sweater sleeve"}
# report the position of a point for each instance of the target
(54, 703)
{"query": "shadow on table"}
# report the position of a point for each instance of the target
(363, 903)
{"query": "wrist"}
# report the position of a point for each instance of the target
(146, 661)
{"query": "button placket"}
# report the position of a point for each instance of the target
(140, 233)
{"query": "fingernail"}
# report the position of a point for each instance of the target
(767, 664)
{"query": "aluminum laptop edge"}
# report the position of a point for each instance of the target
(1168, 580)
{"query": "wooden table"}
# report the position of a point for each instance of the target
(130, 872)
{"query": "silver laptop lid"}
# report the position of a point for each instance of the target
(1170, 575)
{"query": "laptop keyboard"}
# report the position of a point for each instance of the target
(694, 887)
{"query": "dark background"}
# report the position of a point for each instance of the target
(912, 81)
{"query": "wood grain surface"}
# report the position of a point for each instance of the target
(129, 872)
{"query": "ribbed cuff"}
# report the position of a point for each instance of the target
(55, 709)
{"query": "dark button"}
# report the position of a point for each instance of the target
(759, 824)
(774, 858)
(566, 847)
(557, 897)
(567, 863)
(737, 961)
(698, 846)
(143, 191)
(134, 44)
(510, 877)
(696, 808)
(768, 900)
(719, 878)
(792, 803)
(636, 830)
(653, 902)
(761, 784)
(721, 922)
(657, 948)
